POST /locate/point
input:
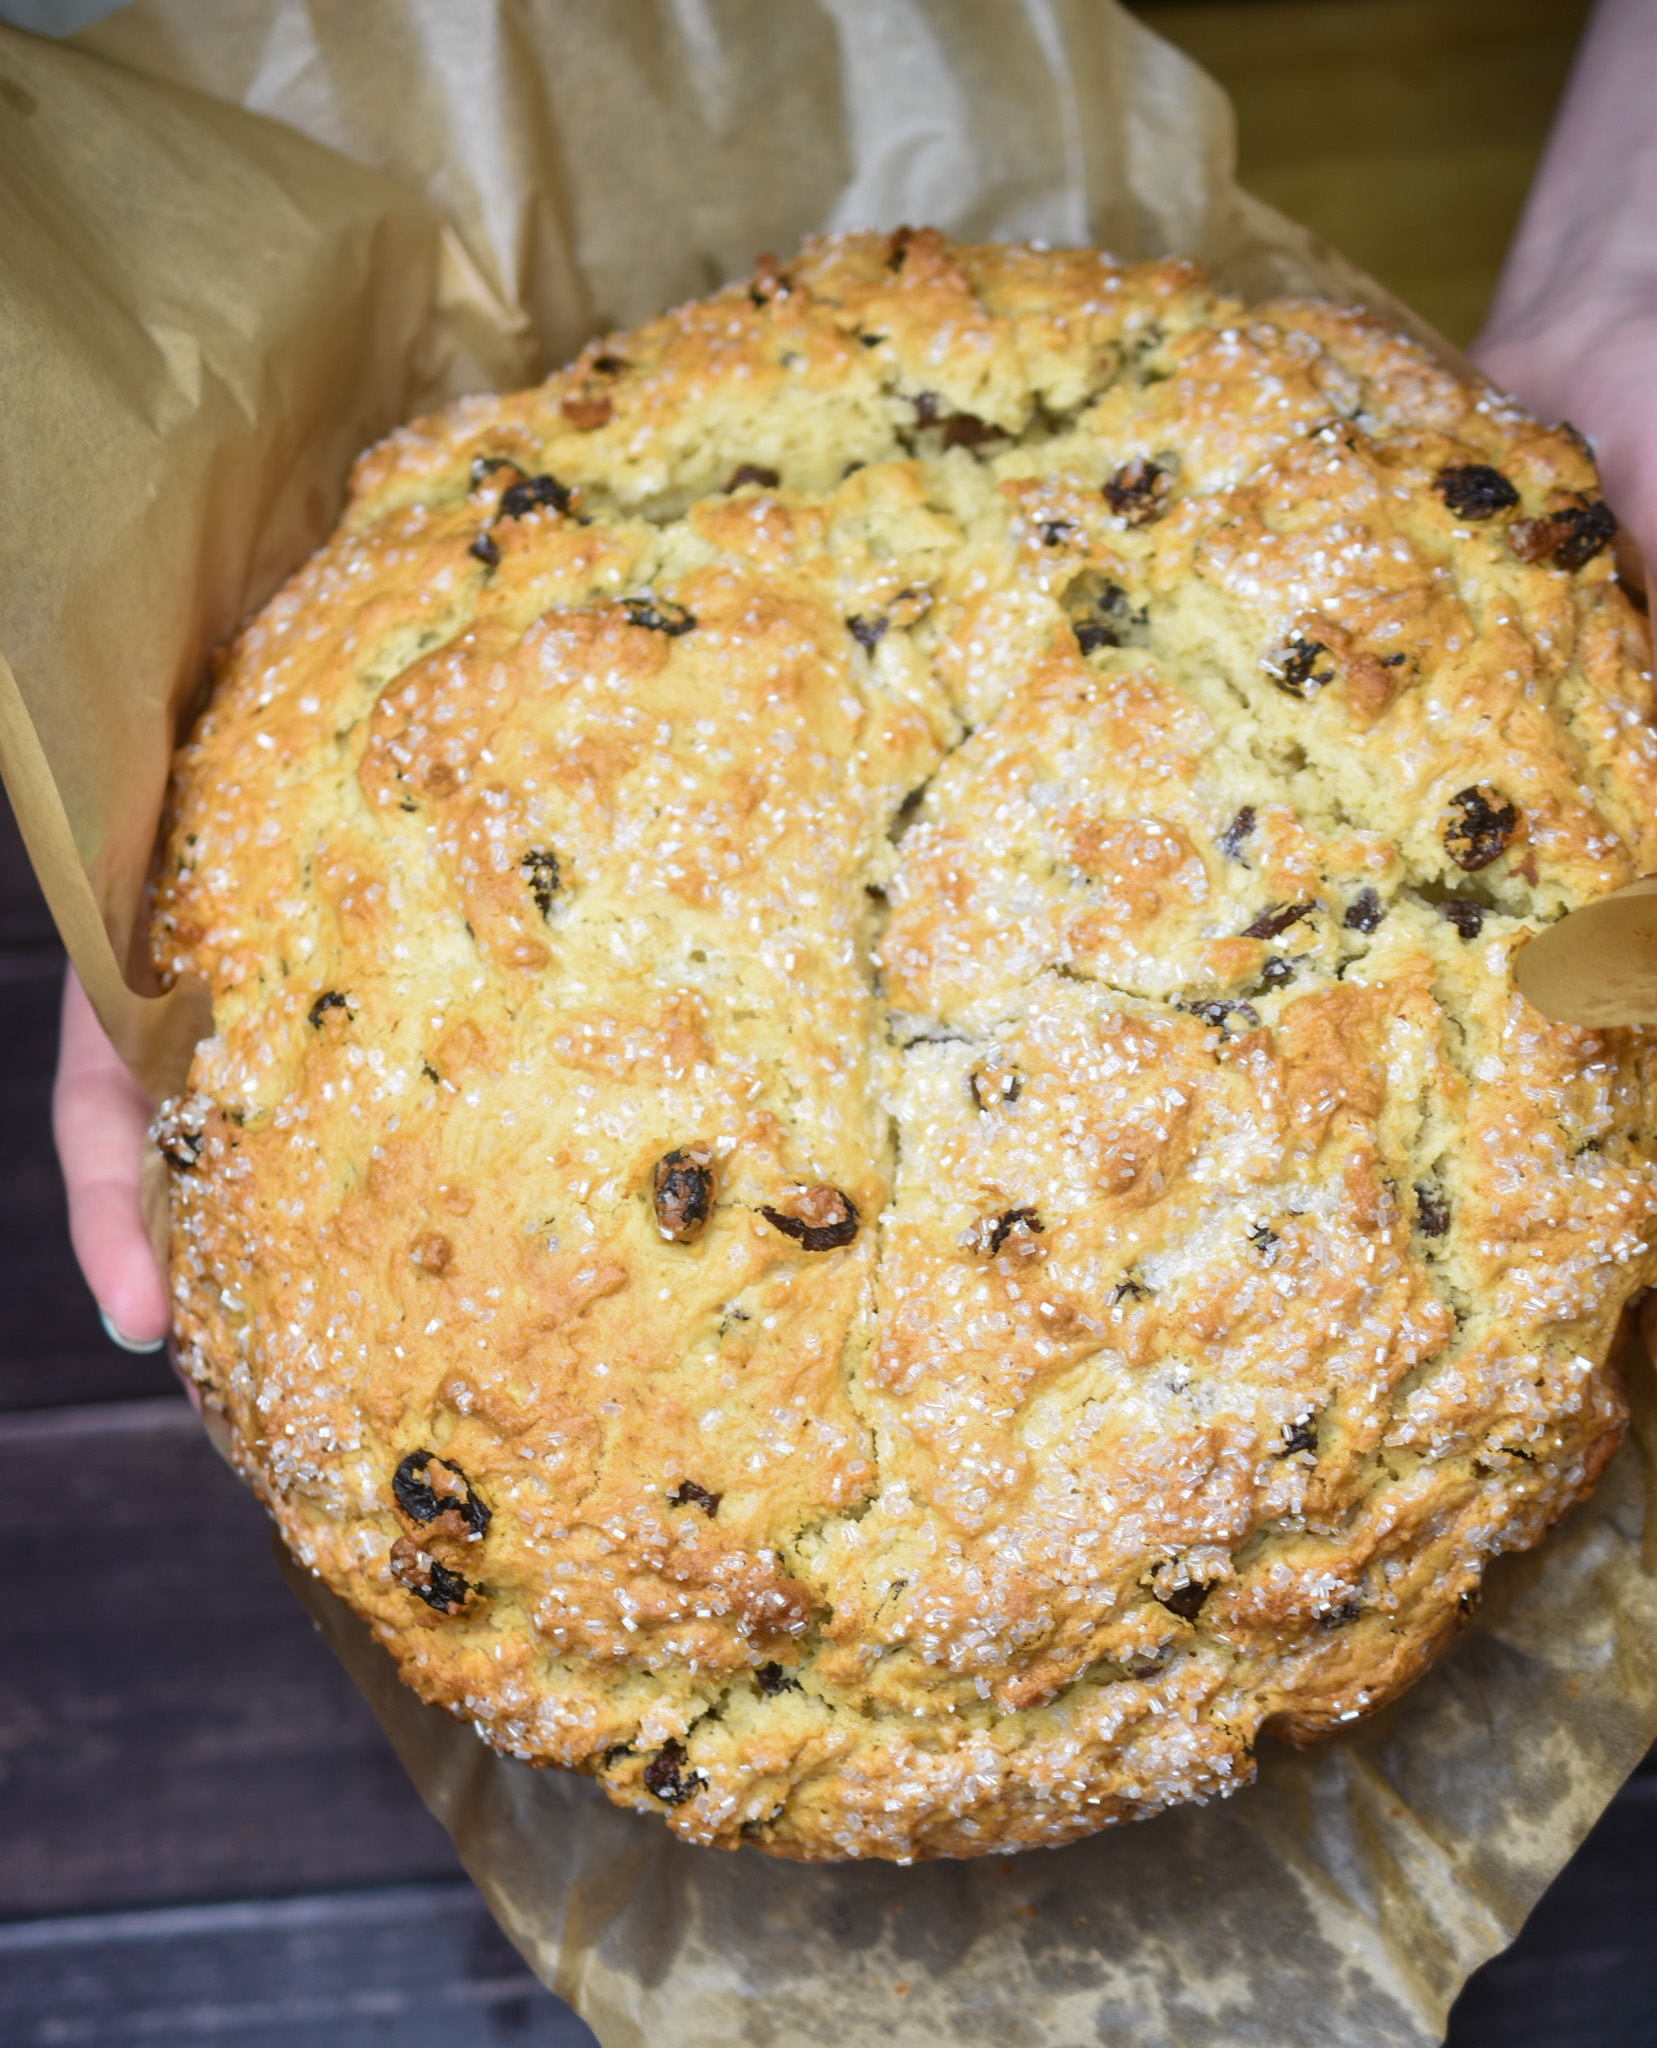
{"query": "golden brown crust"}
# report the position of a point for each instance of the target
(869, 1164)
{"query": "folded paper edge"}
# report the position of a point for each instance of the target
(155, 1035)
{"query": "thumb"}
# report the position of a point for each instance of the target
(99, 1119)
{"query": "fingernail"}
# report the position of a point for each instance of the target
(127, 1343)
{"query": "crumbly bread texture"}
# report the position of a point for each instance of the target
(870, 1165)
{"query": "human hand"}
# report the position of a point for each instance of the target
(99, 1118)
(1572, 330)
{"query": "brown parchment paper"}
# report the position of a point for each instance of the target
(236, 242)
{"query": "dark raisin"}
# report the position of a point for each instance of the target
(1293, 667)
(658, 615)
(1473, 490)
(666, 1776)
(330, 999)
(926, 408)
(1101, 615)
(773, 1679)
(182, 1148)
(486, 551)
(995, 1087)
(1591, 528)
(1275, 920)
(1231, 839)
(1276, 972)
(1300, 1435)
(687, 1494)
(430, 1071)
(867, 632)
(1185, 1601)
(529, 492)
(1218, 1011)
(1055, 532)
(1568, 538)
(752, 473)
(1263, 1237)
(829, 1220)
(609, 366)
(1137, 491)
(1468, 918)
(967, 430)
(1338, 1617)
(681, 1190)
(1432, 1212)
(422, 1499)
(1364, 912)
(992, 1232)
(539, 868)
(422, 1575)
(1482, 823)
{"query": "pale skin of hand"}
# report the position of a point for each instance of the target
(1572, 333)
(1572, 329)
(99, 1117)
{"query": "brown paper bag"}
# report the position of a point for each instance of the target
(206, 311)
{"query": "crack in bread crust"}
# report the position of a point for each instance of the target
(862, 1021)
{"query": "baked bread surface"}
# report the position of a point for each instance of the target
(869, 1164)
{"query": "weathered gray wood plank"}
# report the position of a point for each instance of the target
(417, 1966)
(171, 1726)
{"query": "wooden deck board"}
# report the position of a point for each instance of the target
(417, 1966)
(172, 1727)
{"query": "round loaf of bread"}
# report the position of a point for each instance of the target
(869, 1163)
